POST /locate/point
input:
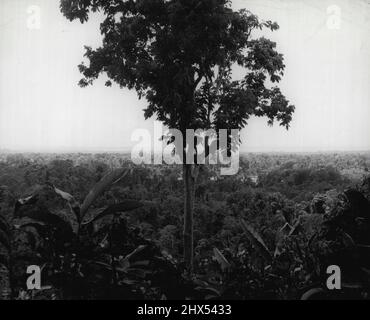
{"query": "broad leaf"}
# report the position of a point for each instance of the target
(42, 214)
(101, 187)
(256, 240)
(312, 294)
(74, 205)
(38, 226)
(135, 252)
(225, 265)
(125, 262)
(24, 202)
(124, 206)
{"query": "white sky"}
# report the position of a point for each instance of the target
(327, 77)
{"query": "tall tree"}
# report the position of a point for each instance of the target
(180, 56)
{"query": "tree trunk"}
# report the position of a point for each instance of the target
(189, 192)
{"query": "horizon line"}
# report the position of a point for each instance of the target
(128, 150)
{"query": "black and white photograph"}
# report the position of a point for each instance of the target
(206, 151)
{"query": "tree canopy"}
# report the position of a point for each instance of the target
(180, 55)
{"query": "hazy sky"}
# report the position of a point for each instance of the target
(327, 77)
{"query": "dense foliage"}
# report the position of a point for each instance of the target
(101, 228)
